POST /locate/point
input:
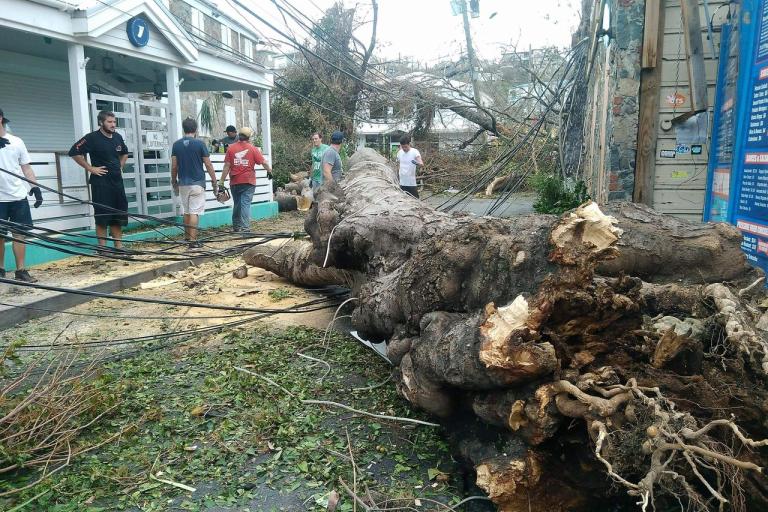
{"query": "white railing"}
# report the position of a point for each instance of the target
(58, 212)
(57, 171)
(263, 185)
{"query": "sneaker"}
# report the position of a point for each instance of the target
(23, 275)
(195, 245)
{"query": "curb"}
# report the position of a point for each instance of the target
(11, 316)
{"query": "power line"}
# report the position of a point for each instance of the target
(149, 300)
(306, 307)
(308, 50)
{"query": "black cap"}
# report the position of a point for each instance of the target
(337, 137)
(5, 119)
(230, 128)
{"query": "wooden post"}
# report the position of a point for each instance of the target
(650, 92)
(651, 34)
(694, 49)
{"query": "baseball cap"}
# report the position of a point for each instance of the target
(246, 131)
(5, 119)
(337, 137)
(230, 128)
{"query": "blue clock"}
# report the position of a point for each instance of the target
(138, 32)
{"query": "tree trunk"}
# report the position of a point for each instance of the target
(536, 333)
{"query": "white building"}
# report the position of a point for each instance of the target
(384, 126)
(64, 60)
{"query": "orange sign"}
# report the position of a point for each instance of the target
(676, 99)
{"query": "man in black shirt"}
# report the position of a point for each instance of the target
(108, 154)
(231, 137)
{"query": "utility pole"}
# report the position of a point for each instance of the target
(471, 54)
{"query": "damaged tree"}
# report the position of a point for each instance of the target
(566, 356)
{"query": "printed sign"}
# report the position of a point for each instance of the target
(749, 198)
(155, 140)
(667, 153)
(696, 149)
(718, 205)
(683, 149)
(676, 99)
(138, 32)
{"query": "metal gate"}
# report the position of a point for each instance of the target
(147, 172)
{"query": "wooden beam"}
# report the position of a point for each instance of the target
(651, 34)
(694, 50)
(648, 122)
(603, 150)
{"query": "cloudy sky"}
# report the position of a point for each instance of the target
(426, 30)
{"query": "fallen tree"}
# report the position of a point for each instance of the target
(568, 357)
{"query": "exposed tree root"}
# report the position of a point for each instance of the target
(675, 448)
(739, 327)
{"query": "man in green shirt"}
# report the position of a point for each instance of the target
(318, 150)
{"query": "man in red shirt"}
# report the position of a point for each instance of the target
(239, 163)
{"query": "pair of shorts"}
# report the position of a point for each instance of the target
(110, 206)
(192, 199)
(17, 212)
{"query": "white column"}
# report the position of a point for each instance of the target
(266, 125)
(78, 86)
(266, 129)
(78, 89)
(174, 103)
(174, 116)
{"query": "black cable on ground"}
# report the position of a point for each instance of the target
(118, 317)
(305, 307)
(127, 298)
(159, 346)
(60, 244)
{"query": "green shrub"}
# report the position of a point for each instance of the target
(556, 195)
(290, 154)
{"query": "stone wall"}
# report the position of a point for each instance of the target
(627, 23)
(612, 100)
(189, 109)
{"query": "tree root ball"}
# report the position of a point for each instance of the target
(603, 356)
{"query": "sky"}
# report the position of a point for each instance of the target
(426, 30)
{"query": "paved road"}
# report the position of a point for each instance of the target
(517, 204)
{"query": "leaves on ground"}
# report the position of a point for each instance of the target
(243, 443)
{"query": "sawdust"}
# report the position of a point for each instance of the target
(208, 283)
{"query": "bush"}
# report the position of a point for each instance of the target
(556, 195)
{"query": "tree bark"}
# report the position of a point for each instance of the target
(512, 330)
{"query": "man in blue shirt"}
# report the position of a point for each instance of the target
(188, 157)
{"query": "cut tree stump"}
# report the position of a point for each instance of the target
(532, 340)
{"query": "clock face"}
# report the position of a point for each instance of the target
(138, 32)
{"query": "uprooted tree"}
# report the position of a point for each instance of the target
(576, 360)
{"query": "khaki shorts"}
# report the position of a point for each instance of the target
(192, 199)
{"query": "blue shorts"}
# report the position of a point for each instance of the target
(15, 211)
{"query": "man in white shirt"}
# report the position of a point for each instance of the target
(409, 158)
(14, 207)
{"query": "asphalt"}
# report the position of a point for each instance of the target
(517, 204)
